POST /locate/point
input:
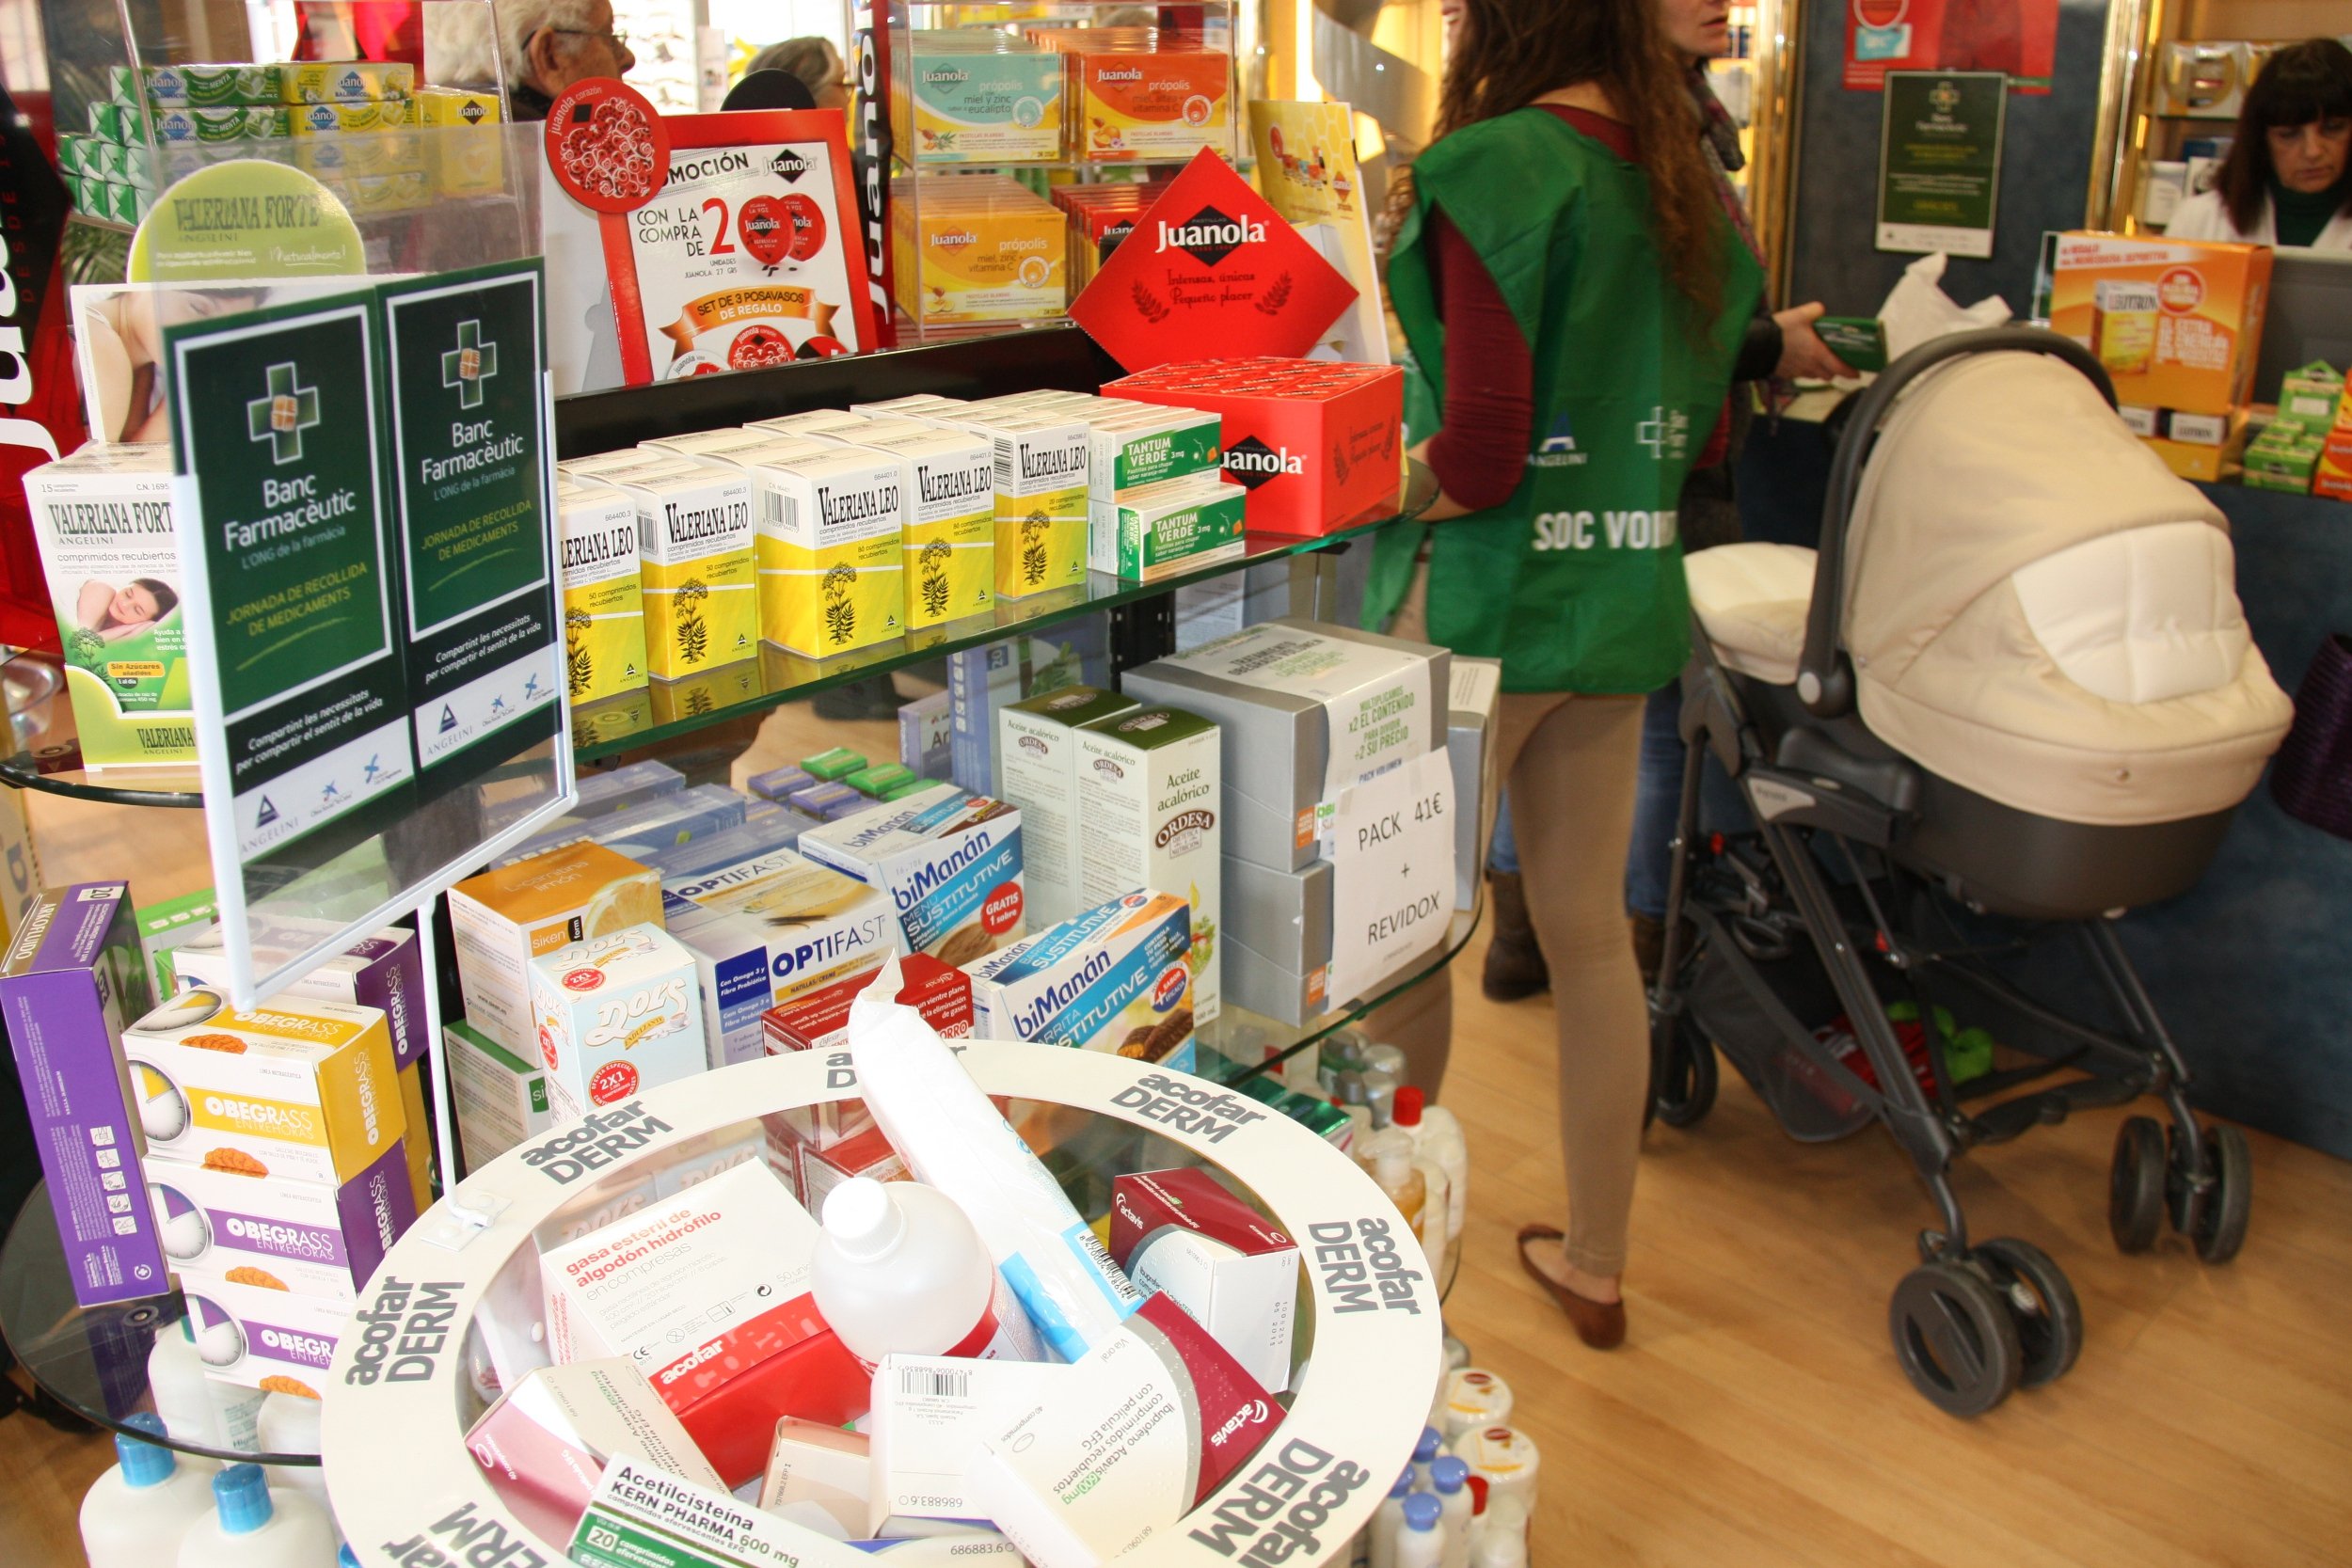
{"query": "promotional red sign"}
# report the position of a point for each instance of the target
(1210, 263)
(608, 145)
(2018, 37)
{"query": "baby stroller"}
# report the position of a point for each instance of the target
(2013, 696)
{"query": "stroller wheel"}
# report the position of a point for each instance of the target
(2135, 1184)
(2042, 1304)
(1955, 1337)
(2221, 1228)
(1683, 1072)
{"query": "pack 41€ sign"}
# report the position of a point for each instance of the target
(1210, 263)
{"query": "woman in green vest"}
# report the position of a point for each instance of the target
(1573, 298)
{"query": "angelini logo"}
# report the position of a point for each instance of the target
(1210, 235)
(1251, 462)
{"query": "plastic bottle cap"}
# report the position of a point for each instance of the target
(1420, 1511)
(144, 1463)
(1426, 1449)
(861, 1219)
(1479, 1486)
(242, 1494)
(1407, 1111)
(1404, 1483)
(1448, 1474)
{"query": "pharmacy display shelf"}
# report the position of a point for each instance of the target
(462, 1283)
(90, 1359)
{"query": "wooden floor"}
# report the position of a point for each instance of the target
(1755, 1416)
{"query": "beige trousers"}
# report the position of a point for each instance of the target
(1571, 764)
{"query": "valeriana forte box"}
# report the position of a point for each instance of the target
(103, 518)
(695, 544)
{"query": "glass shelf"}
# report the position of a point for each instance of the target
(91, 1360)
(755, 685)
(45, 751)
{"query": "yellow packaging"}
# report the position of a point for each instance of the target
(1167, 103)
(380, 152)
(461, 106)
(462, 164)
(830, 577)
(345, 80)
(694, 548)
(2177, 322)
(502, 919)
(417, 1142)
(992, 253)
(2333, 474)
(294, 1089)
(350, 118)
(604, 608)
(1041, 502)
(696, 696)
(396, 191)
(948, 476)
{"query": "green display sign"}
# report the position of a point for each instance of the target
(292, 590)
(469, 446)
(1940, 160)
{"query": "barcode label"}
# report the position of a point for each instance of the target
(784, 512)
(935, 1382)
(1003, 464)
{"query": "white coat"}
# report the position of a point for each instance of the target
(2204, 218)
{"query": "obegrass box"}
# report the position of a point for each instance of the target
(384, 971)
(312, 1238)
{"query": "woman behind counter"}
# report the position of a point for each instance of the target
(2287, 181)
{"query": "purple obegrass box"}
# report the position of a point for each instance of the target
(309, 1237)
(385, 971)
(71, 977)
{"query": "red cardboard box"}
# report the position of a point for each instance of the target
(820, 1021)
(1318, 445)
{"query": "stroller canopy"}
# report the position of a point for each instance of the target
(2036, 607)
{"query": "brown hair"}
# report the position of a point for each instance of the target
(2299, 84)
(1509, 53)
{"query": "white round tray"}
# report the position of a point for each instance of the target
(398, 1397)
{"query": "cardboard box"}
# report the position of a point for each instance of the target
(767, 930)
(103, 519)
(1040, 499)
(1275, 940)
(416, 1143)
(276, 1341)
(778, 784)
(835, 765)
(548, 1441)
(1180, 525)
(1304, 710)
(1472, 743)
(346, 81)
(820, 1467)
(312, 1238)
(951, 863)
(694, 539)
(502, 919)
(930, 1414)
(832, 567)
(616, 1015)
(707, 1292)
(927, 735)
(604, 606)
(500, 1099)
(165, 928)
(210, 126)
(1157, 1419)
(71, 973)
(1316, 445)
(192, 86)
(978, 247)
(1131, 450)
(640, 1518)
(1150, 802)
(961, 96)
(295, 1088)
(816, 1172)
(1162, 105)
(665, 822)
(2177, 322)
(385, 972)
(1232, 1270)
(948, 479)
(1038, 773)
(819, 1020)
(1116, 979)
(2333, 476)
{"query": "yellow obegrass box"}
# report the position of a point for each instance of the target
(830, 577)
(695, 551)
(294, 1089)
(604, 605)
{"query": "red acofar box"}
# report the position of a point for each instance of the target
(1317, 444)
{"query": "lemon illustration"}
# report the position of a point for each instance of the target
(636, 901)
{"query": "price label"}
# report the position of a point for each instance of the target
(1392, 845)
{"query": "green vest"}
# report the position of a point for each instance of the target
(1576, 581)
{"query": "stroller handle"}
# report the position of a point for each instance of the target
(1824, 675)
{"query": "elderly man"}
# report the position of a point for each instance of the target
(548, 46)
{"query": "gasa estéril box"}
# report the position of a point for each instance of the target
(294, 1089)
(604, 606)
(949, 862)
(831, 576)
(1150, 800)
(72, 973)
(104, 520)
(617, 1015)
(502, 919)
(695, 542)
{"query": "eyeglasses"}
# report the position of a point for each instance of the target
(619, 37)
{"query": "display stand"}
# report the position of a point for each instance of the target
(401, 1477)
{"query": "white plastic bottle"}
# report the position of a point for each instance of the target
(195, 1408)
(135, 1515)
(1475, 1399)
(1500, 1539)
(290, 1424)
(1425, 1451)
(900, 1269)
(1449, 1477)
(1422, 1543)
(1387, 1519)
(1392, 1166)
(1438, 1138)
(252, 1526)
(1508, 1458)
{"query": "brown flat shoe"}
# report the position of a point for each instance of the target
(1598, 1323)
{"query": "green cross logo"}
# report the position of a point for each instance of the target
(470, 364)
(280, 415)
